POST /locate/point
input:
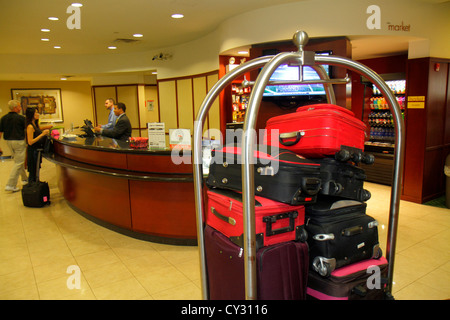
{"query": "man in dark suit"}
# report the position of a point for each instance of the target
(122, 127)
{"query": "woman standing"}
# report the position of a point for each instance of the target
(36, 136)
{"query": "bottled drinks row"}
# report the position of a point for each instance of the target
(380, 103)
(382, 134)
(381, 119)
(396, 86)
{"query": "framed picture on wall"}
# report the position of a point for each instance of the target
(47, 101)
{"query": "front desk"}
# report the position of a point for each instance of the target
(138, 192)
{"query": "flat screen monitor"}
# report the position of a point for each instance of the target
(286, 72)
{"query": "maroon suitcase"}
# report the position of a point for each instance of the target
(363, 280)
(275, 221)
(316, 131)
(282, 269)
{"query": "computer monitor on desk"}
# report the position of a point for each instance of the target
(88, 129)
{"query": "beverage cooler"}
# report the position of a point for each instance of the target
(381, 130)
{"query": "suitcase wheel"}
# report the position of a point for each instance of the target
(378, 253)
(324, 266)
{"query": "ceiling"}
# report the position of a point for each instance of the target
(114, 22)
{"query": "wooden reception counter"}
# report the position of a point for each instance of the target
(137, 192)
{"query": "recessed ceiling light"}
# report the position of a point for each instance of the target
(63, 79)
(138, 35)
(45, 30)
(177, 16)
(57, 47)
(53, 18)
(45, 39)
(242, 52)
(112, 48)
(154, 72)
(76, 4)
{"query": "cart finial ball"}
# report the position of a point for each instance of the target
(300, 39)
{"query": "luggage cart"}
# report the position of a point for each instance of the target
(269, 64)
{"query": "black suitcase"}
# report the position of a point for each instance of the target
(285, 176)
(342, 179)
(340, 233)
(282, 269)
(36, 194)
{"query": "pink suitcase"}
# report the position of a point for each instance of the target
(316, 131)
(275, 221)
(357, 281)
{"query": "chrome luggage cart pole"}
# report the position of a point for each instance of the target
(197, 156)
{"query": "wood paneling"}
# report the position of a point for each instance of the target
(159, 164)
(184, 98)
(168, 104)
(187, 94)
(100, 95)
(103, 197)
(199, 94)
(163, 209)
(426, 132)
(129, 96)
(214, 112)
(160, 205)
(96, 157)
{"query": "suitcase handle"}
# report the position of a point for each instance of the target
(352, 231)
(269, 220)
(229, 220)
(289, 135)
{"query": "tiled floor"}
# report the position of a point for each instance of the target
(37, 246)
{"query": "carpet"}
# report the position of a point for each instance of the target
(438, 202)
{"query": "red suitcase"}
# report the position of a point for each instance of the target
(275, 221)
(362, 280)
(316, 131)
(282, 269)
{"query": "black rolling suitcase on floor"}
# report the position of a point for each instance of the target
(283, 176)
(340, 233)
(282, 269)
(342, 179)
(36, 194)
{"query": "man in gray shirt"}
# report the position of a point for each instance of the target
(12, 126)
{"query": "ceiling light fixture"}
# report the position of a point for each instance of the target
(138, 35)
(45, 30)
(45, 39)
(53, 18)
(112, 48)
(76, 4)
(57, 47)
(177, 16)
(242, 52)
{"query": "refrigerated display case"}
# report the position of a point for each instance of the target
(382, 132)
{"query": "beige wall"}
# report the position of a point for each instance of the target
(181, 98)
(75, 96)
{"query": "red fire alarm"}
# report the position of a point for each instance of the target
(437, 66)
